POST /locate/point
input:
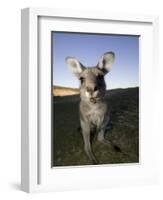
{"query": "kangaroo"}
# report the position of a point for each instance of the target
(94, 111)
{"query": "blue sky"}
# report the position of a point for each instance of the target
(88, 48)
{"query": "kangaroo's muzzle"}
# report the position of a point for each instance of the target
(93, 100)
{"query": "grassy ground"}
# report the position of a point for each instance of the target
(67, 144)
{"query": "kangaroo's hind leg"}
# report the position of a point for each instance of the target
(101, 138)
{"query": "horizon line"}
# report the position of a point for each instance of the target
(106, 88)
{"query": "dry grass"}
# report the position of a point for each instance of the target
(64, 91)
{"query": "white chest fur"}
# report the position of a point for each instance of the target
(96, 114)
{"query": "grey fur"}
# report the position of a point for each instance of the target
(93, 107)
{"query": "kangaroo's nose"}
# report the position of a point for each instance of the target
(91, 89)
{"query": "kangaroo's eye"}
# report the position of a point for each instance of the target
(82, 79)
(100, 77)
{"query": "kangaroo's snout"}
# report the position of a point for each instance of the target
(91, 89)
(92, 92)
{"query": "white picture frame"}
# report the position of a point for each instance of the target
(36, 171)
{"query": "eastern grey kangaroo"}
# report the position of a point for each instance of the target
(93, 107)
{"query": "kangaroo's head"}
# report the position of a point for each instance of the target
(93, 85)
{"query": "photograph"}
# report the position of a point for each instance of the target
(94, 99)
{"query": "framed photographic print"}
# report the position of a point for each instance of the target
(88, 115)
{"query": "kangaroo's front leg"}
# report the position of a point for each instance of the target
(102, 129)
(87, 143)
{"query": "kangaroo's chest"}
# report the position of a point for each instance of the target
(96, 114)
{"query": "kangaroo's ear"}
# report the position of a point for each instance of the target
(75, 66)
(106, 61)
